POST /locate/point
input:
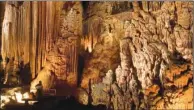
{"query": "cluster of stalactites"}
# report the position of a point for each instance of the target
(25, 36)
(89, 42)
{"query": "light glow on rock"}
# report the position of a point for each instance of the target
(19, 97)
(26, 95)
(5, 99)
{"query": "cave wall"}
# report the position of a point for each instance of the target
(154, 42)
(43, 35)
(2, 5)
(22, 33)
(136, 54)
(101, 40)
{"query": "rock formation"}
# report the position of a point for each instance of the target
(42, 34)
(130, 55)
(155, 55)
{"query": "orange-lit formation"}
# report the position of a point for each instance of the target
(117, 55)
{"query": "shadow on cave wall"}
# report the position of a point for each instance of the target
(64, 89)
(81, 62)
(1, 70)
(21, 75)
(178, 58)
(2, 8)
(25, 73)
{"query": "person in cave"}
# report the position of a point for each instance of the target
(39, 89)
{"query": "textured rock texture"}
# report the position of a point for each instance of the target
(2, 5)
(155, 41)
(130, 55)
(46, 77)
(43, 35)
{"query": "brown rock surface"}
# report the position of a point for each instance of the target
(146, 46)
(46, 77)
(155, 51)
(178, 76)
(153, 90)
(38, 33)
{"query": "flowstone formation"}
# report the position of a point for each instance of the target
(43, 37)
(155, 69)
(125, 55)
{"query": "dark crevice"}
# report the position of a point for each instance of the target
(131, 5)
(182, 73)
(2, 8)
(85, 5)
(140, 5)
(81, 62)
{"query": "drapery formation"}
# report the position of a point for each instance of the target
(32, 34)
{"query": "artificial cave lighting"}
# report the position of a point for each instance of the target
(26, 95)
(19, 97)
(88, 55)
(88, 43)
(5, 100)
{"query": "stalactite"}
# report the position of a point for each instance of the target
(136, 6)
(39, 36)
(28, 32)
(91, 33)
(145, 5)
(43, 33)
(34, 38)
(49, 23)
(31, 34)
(2, 7)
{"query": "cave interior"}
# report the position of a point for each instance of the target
(96, 55)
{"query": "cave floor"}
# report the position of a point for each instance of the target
(54, 103)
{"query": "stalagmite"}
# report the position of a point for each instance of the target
(125, 55)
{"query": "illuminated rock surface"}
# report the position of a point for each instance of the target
(155, 55)
(41, 33)
(124, 55)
